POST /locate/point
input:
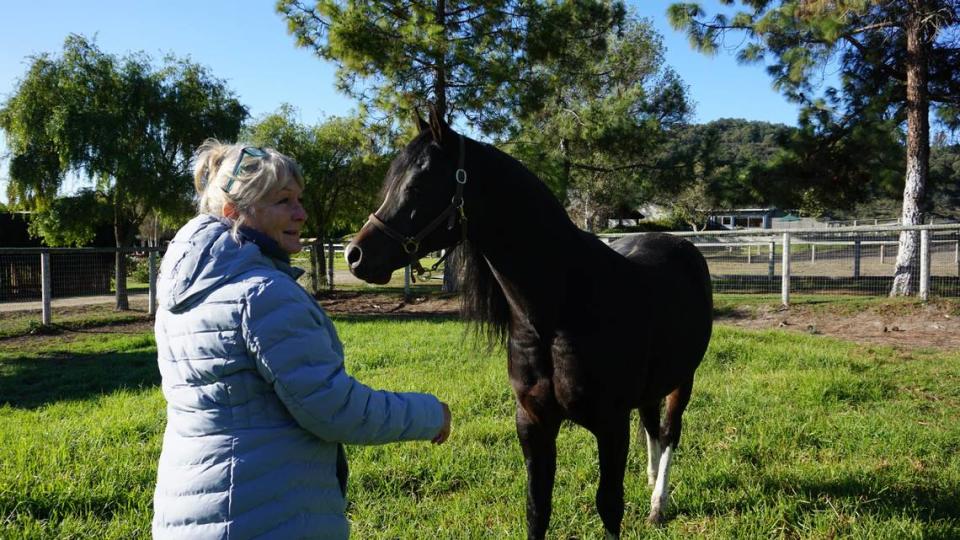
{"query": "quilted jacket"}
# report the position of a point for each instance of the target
(257, 397)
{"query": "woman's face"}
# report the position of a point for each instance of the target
(280, 216)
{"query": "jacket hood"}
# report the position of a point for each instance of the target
(204, 255)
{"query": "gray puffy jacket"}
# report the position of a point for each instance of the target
(257, 397)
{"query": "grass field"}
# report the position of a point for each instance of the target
(787, 436)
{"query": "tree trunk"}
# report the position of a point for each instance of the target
(905, 274)
(440, 74)
(320, 262)
(451, 267)
(121, 236)
(451, 272)
(314, 276)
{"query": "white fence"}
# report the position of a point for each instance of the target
(849, 260)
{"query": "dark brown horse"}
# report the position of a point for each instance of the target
(592, 332)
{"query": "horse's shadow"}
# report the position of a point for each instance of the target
(31, 381)
(884, 498)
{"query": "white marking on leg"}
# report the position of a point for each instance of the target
(661, 491)
(653, 458)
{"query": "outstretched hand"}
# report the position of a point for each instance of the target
(445, 430)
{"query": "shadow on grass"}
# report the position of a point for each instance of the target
(884, 498)
(28, 382)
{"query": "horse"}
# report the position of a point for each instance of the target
(592, 333)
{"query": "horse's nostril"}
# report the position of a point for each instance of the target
(353, 255)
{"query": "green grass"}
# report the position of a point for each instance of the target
(787, 436)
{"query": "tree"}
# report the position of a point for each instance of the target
(478, 60)
(129, 130)
(715, 165)
(342, 165)
(603, 121)
(71, 220)
(895, 59)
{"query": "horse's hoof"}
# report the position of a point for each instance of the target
(656, 518)
(610, 536)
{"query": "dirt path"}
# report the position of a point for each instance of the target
(73, 301)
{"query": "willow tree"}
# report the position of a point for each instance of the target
(124, 127)
(893, 58)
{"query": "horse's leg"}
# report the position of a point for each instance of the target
(650, 418)
(538, 439)
(669, 439)
(613, 442)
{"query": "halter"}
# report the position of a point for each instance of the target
(411, 244)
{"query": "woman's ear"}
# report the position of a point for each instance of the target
(230, 210)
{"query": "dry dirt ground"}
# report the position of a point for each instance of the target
(904, 325)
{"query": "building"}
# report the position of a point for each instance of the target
(745, 218)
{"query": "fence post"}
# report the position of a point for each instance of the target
(406, 281)
(924, 264)
(152, 280)
(45, 284)
(749, 254)
(882, 246)
(856, 257)
(770, 261)
(785, 278)
(813, 253)
(330, 258)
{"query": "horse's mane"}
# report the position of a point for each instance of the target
(482, 302)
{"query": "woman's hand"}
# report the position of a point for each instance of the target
(445, 430)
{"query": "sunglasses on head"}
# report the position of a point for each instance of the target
(251, 151)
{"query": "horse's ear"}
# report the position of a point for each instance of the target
(422, 124)
(438, 126)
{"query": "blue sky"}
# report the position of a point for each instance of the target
(246, 43)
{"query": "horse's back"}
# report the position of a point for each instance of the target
(666, 255)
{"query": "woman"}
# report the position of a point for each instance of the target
(258, 401)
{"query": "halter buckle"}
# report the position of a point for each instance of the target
(461, 176)
(411, 245)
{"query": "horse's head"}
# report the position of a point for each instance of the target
(421, 209)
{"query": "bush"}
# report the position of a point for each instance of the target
(138, 268)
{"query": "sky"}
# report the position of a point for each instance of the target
(246, 43)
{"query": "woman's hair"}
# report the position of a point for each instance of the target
(259, 174)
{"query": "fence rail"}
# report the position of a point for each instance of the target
(849, 260)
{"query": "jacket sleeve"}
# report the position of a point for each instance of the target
(294, 351)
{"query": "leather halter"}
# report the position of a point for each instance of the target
(411, 244)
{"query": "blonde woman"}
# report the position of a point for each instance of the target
(258, 402)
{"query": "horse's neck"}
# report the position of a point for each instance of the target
(526, 239)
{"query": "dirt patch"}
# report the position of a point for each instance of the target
(905, 326)
(372, 304)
